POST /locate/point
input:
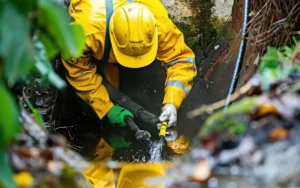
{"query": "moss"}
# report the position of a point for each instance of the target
(205, 24)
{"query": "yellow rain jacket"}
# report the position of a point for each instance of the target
(173, 53)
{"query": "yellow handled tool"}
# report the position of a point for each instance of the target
(163, 129)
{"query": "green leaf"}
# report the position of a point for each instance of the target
(296, 44)
(38, 117)
(79, 38)
(295, 41)
(25, 7)
(50, 45)
(270, 60)
(68, 172)
(16, 49)
(239, 128)
(54, 18)
(286, 25)
(44, 68)
(287, 52)
(35, 113)
(268, 77)
(6, 174)
(251, 13)
(9, 117)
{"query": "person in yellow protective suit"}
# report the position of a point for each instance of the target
(139, 31)
(132, 34)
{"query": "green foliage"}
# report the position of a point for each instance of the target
(189, 31)
(193, 42)
(252, 13)
(68, 172)
(32, 32)
(36, 114)
(16, 49)
(43, 66)
(53, 19)
(9, 114)
(286, 25)
(207, 25)
(6, 175)
(221, 121)
(276, 65)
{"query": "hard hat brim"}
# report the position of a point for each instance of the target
(135, 61)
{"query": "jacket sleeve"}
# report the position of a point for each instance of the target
(179, 61)
(82, 72)
(82, 76)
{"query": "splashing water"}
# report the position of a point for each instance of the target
(156, 149)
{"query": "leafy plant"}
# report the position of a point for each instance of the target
(221, 121)
(32, 32)
(276, 65)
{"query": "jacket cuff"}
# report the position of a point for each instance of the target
(104, 111)
(174, 95)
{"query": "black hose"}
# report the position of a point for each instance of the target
(131, 124)
(240, 56)
(116, 96)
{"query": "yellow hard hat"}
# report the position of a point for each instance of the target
(133, 35)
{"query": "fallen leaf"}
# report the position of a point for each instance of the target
(279, 133)
(265, 109)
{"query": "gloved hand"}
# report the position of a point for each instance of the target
(171, 134)
(117, 114)
(169, 114)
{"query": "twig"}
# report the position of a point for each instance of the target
(266, 27)
(66, 127)
(72, 137)
(294, 33)
(214, 64)
(212, 107)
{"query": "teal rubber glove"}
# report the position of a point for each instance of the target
(117, 114)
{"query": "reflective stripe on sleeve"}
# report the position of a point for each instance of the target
(189, 60)
(179, 84)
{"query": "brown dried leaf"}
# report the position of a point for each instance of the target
(279, 133)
